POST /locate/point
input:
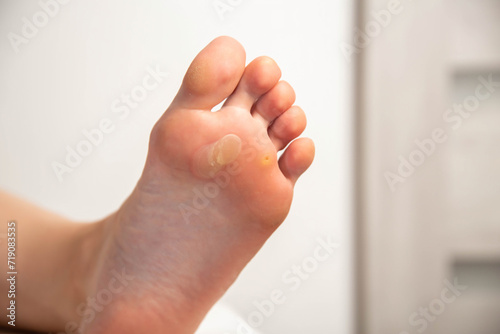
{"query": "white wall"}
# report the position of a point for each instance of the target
(434, 220)
(65, 78)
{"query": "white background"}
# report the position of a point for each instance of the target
(65, 79)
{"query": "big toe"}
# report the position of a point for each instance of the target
(212, 76)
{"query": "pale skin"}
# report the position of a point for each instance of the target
(160, 262)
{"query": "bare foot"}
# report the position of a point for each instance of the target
(212, 192)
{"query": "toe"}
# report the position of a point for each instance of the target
(297, 158)
(275, 102)
(212, 76)
(287, 127)
(259, 77)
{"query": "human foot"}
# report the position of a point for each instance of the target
(212, 192)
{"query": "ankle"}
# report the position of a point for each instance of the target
(84, 264)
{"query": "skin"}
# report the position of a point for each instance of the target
(175, 250)
(46, 243)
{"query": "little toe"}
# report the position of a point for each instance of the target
(287, 127)
(275, 102)
(259, 77)
(297, 158)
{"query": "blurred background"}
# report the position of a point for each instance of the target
(403, 102)
(428, 166)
